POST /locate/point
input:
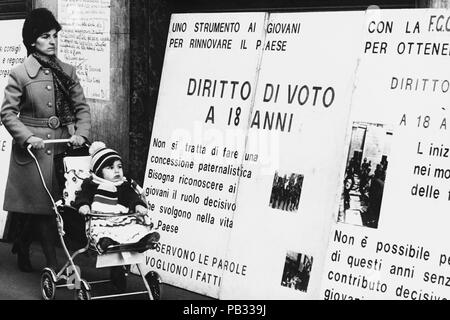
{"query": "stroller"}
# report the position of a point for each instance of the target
(76, 169)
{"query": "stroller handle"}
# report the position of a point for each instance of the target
(56, 141)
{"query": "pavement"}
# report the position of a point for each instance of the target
(17, 285)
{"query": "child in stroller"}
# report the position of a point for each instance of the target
(106, 197)
(115, 251)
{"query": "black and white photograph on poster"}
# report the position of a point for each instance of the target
(365, 174)
(286, 191)
(297, 270)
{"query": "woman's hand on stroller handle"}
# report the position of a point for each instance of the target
(77, 141)
(35, 143)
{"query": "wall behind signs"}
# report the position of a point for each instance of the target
(84, 42)
(110, 118)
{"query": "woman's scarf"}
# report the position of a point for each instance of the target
(97, 180)
(63, 83)
(106, 197)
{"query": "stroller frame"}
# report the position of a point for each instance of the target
(69, 275)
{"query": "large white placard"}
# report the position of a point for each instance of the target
(281, 235)
(392, 239)
(198, 143)
(84, 42)
(246, 99)
(12, 52)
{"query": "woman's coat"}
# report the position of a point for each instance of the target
(27, 109)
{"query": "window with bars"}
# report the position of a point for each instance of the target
(14, 9)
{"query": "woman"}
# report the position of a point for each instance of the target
(43, 100)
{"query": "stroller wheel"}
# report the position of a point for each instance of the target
(48, 284)
(84, 293)
(154, 283)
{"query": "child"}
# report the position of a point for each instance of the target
(108, 192)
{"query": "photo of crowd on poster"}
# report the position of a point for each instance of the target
(297, 270)
(365, 174)
(286, 191)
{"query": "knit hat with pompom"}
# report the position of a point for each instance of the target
(100, 156)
